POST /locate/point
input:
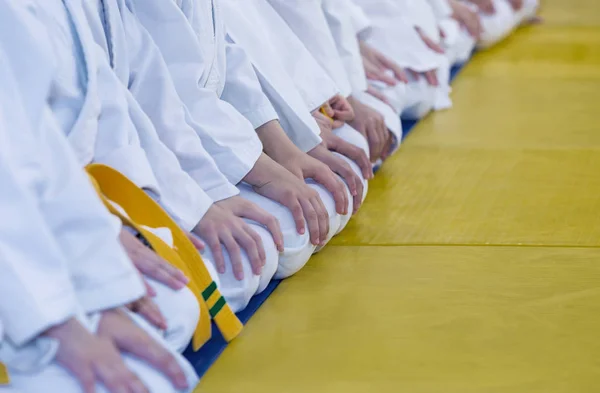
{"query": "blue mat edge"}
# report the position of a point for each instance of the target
(211, 351)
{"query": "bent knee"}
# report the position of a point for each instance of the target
(497, 26)
(329, 203)
(420, 100)
(356, 169)
(297, 247)
(181, 311)
(271, 257)
(291, 237)
(352, 136)
(237, 292)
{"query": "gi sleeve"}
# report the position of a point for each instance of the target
(88, 235)
(363, 25)
(152, 87)
(243, 90)
(35, 283)
(226, 134)
(299, 14)
(339, 18)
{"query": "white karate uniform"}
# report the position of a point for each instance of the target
(291, 77)
(333, 42)
(140, 66)
(392, 31)
(77, 111)
(457, 41)
(76, 266)
(207, 71)
(504, 21)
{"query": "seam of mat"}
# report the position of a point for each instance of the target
(507, 245)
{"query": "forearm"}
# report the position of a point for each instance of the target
(276, 144)
(264, 172)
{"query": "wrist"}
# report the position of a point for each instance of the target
(257, 176)
(63, 329)
(276, 144)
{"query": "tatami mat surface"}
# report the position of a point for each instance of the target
(474, 265)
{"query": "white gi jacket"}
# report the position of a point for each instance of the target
(97, 113)
(77, 264)
(215, 80)
(332, 39)
(341, 23)
(139, 66)
(457, 41)
(318, 39)
(392, 32)
(290, 76)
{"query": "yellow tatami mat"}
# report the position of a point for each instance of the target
(474, 266)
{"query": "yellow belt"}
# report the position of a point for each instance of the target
(324, 112)
(142, 211)
(4, 378)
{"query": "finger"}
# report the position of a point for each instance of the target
(262, 217)
(291, 202)
(150, 311)
(167, 276)
(431, 78)
(322, 216)
(261, 247)
(176, 274)
(374, 142)
(199, 244)
(138, 387)
(337, 124)
(385, 135)
(413, 74)
(434, 46)
(328, 180)
(399, 72)
(378, 63)
(312, 219)
(84, 373)
(479, 26)
(473, 25)
(345, 114)
(490, 8)
(235, 255)
(342, 168)
(320, 117)
(471, 28)
(349, 175)
(517, 4)
(253, 245)
(152, 265)
(215, 246)
(149, 350)
(381, 77)
(380, 96)
(382, 134)
(149, 290)
(328, 109)
(387, 150)
(117, 378)
(352, 181)
(358, 199)
(357, 155)
(442, 33)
